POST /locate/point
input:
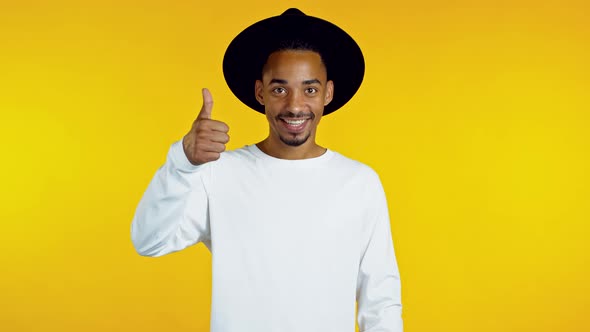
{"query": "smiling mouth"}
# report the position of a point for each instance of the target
(294, 125)
(294, 122)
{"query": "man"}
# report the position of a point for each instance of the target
(297, 232)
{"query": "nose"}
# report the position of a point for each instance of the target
(296, 102)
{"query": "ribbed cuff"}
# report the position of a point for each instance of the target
(179, 159)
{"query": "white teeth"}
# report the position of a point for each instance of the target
(294, 122)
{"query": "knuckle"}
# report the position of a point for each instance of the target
(199, 147)
(203, 122)
(202, 135)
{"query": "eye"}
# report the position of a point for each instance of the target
(279, 90)
(311, 90)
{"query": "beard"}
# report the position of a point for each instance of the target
(294, 141)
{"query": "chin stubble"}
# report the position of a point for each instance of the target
(294, 141)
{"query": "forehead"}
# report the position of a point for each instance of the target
(295, 63)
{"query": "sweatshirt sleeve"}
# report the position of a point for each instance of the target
(173, 212)
(378, 283)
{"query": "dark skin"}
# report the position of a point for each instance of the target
(207, 137)
(294, 91)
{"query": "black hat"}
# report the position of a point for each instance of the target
(247, 53)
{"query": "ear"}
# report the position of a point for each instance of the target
(258, 92)
(329, 92)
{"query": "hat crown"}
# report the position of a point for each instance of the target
(294, 12)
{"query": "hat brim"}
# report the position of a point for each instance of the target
(247, 53)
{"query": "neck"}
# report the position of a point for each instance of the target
(283, 151)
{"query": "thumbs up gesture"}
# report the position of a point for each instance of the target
(207, 138)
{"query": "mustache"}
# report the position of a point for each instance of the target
(295, 116)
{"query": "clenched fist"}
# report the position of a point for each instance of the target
(207, 138)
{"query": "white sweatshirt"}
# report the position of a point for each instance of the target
(294, 242)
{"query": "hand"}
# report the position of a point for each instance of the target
(207, 138)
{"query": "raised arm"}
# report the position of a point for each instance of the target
(173, 212)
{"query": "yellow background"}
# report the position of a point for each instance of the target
(474, 113)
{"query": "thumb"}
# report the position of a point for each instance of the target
(207, 107)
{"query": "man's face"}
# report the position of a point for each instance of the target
(294, 90)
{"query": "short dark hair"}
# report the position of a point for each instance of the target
(295, 45)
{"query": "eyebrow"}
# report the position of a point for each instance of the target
(306, 82)
(278, 81)
(314, 81)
